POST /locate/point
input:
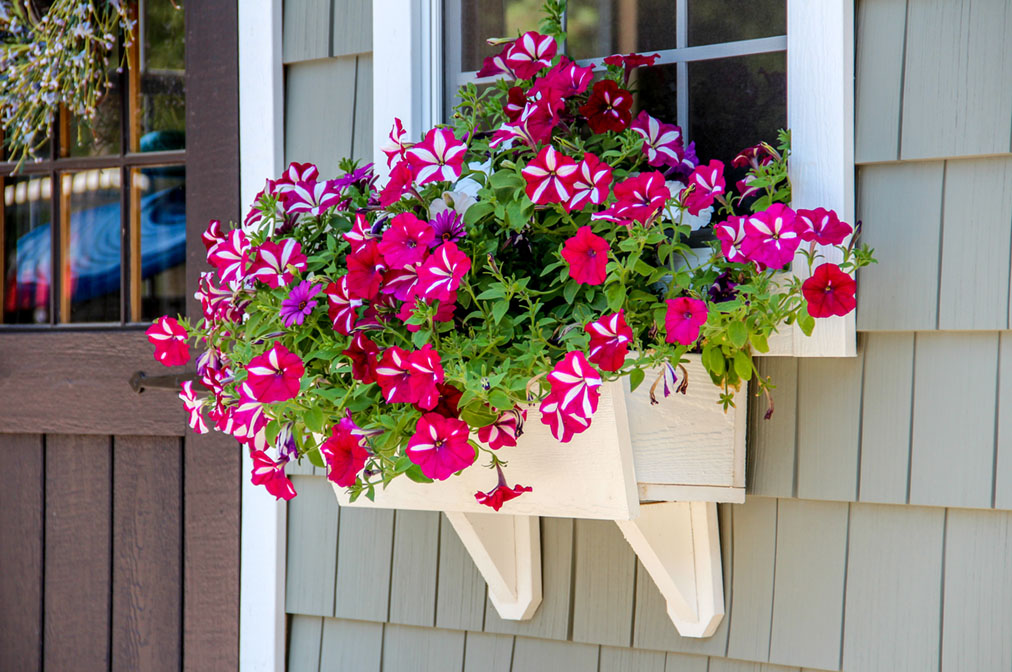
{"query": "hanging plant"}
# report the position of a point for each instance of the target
(509, 266)
(59, 58)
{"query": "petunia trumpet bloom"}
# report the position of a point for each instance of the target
(550, 177)
(705, 184)
(271, 475)
(274, 262)
(406, 242)
(771, 236)
(439, 446)
(169, 339)
(684, 318)
(587, 255)
(344, 453)
(608, 108)
(530, 54)
(275, 375)
(441, 274)
(501, 493)
(821, 226)
(504, 431)
(610, 337)
(829, 292)
(437, 158)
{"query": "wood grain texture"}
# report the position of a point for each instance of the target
(952, 454)
(312, 548)
(974, 290)
(603, 588)
(879, 80)
(977, 610)
(415, 568)
(676, 662)
(307, 26)
(754, 527)
(364, 549)
(21, 534)
(77, 552)
(900, 293)
(630, 660)
(327, 84)
(351, 645)
(886, 403)
(422, 649)
(352, 27)
(488, 653)
(652, 627)
(769, 468)
(551, 620)
(147, 543)
(212, 464)
(1003, 462)
(829, 426)
(957, 74)
(808, 583)
(87, 378)
(460, 599)
(540, 655)
(361, 138)
(726, 665)
(893, 601)
(305, 642)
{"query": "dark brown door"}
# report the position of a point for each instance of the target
(119, 531)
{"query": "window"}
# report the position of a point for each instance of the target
(95, 231)
(721, 75)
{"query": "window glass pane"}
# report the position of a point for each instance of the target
(482, 19)
(158, 88)
(158, 211)
(736, 102)
(600, 28)
(90, 245)
(657, 92)
(25, 274)
(103, 135)
(712, 21)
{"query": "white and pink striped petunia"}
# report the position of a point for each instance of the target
(295, 173)
(341, 306)
(822, 226)
(562, 424)
(731, 234)
(705, 184)
(169, 339)
(662, 143)
(530, 54)
(504, 431)
(439, 446)
(771, 236)
(271, 475)
(437, 158)
(194, 408)
(591, 183)
(550, 177)
(576, 383)
(610, 337)
(397, 144)
(212, 235)
(313, 198)
(275, 375)
(360, 233)
(274, 262)
(440, 275)
(230, 257)
(248, 417)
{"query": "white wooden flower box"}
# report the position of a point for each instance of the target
(657, 470)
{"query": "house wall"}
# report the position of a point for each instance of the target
(877, 527)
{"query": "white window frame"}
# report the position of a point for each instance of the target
(407, 62)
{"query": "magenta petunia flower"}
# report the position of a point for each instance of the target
(662, 143)
(684, 318)
(447, 227)
(344, 453)
(772, 236)
(271, 475)
(313, 198)
(437, 158)
(591, 183)
(194, 407)
(638, 198)
(440, 446)
(397, 145)
(563, 425)
(410, 377)
(212, 235)
(442, 272)
(587, 255)
(275, 375)
(341, 306)
(821, 226)
(169, 339)
(576, 383)
(497, 65)
(504, 431)
(230, 257)
(608, 108)
(549, 176)
(400, 282)
(273, 262)
(501, 493)
(731, 234)
(829, 292)
(365, 271)
(362, 352)
(406, 242)
(402, 176)
(299, 304)
(248, 416)
(530, 54)
(565, 77)
(610, 337)
(360, 233)
(295, 173)
(705, 184)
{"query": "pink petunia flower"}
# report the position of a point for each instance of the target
(341, 306)
(437, 158)
(576, 383)
(362, 352)
(684, 318)
(271, 475)
(248, 415)
(439, 446)
(410, 377)
(771, 236)
(169, 339)
(705, 184)
(638, 199)
(497, 65)
(230, 257)
(501, 493)
(397, 145)
(401, 178)
(275, 375)
(505, 430)
(400, 282)
(406, 242)
(360, 233)
(731, 234)
(563, 425)
(444, 312)
(212, 234)
(829, 292)
(442, 272)
(344, 453)
(530, 54)
(426, 376)
(591, 183)
(194, 408)
(273, 262)
(295, 173)
(587, 255)
(821, 226)
(365, 271)
(662, 143)
(610, 337)
(608, 108)
(549, 177)
(566, 77)
(313, 198)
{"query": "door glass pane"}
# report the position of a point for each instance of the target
(712, 21)
(157, 88)
(736, 102)
(90, 245)
(158, 211)
(482, 19)
(25, 274)
(600, 28)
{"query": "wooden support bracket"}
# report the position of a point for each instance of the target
(679, 545)
(507, 551)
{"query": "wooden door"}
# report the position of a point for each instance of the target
(119, 529)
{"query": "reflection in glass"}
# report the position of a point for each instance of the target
(657, 92)
(90, 245)
(482, 19)
(712, 21)
(736, 102)
(158, 212)
(25, 267)
(103, 135)
(603, 27)
(157, 89)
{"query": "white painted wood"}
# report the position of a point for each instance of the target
(665, 492)
(679, 546)
(507, 552)
(263, 520)
(820, 114)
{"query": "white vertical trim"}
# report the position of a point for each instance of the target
(262, 544)
(820, 114)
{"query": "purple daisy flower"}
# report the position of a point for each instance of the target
(299, 303)
(449, 228)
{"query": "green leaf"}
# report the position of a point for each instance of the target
(806, 321)
(416, 475)
(477, 211)
(420, 337)
(759, 342)
(499, 309)
(737, 332)
(476, 414)
(743, 365)
(496, 291)
(500, 400)
(314, 420)
(316, 458)
(616, 296)
(636, 377)
(569, 291)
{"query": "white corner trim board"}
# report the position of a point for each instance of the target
(262, 542)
